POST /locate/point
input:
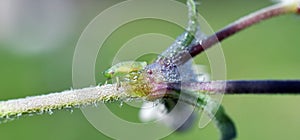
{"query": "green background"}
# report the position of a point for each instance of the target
(268, 50)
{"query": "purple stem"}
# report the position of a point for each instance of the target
(233, 87)
(231, 29)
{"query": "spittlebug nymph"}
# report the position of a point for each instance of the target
(122, 69)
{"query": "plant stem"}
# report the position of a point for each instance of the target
(242, 86)
(263, 86)
(241, 24)
(61, 100)
(109, 93)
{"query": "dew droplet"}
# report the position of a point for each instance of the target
(95, 104)
(19, 114)
(40, 112)
(50, 112)
(121, 104)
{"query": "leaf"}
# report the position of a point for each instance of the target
(225, 124)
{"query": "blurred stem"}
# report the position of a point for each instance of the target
(243, 23)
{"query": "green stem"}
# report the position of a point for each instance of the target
(61, 100)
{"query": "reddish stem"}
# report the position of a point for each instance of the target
(229, 87)
(242, 23)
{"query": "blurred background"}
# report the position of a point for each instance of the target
(38, 39)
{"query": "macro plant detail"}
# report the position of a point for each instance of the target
(162, 80)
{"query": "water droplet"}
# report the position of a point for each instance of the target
(40, 112)
(182, 47)
(19, 114)
(121, 104)
(50, 112)
(95, 104)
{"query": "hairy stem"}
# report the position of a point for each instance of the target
(65, 99)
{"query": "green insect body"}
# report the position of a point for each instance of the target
(129, 73)
(122, 69)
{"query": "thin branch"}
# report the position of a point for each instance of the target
(263, 86)
(61, 100)
(241, 24)
(242, 87)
